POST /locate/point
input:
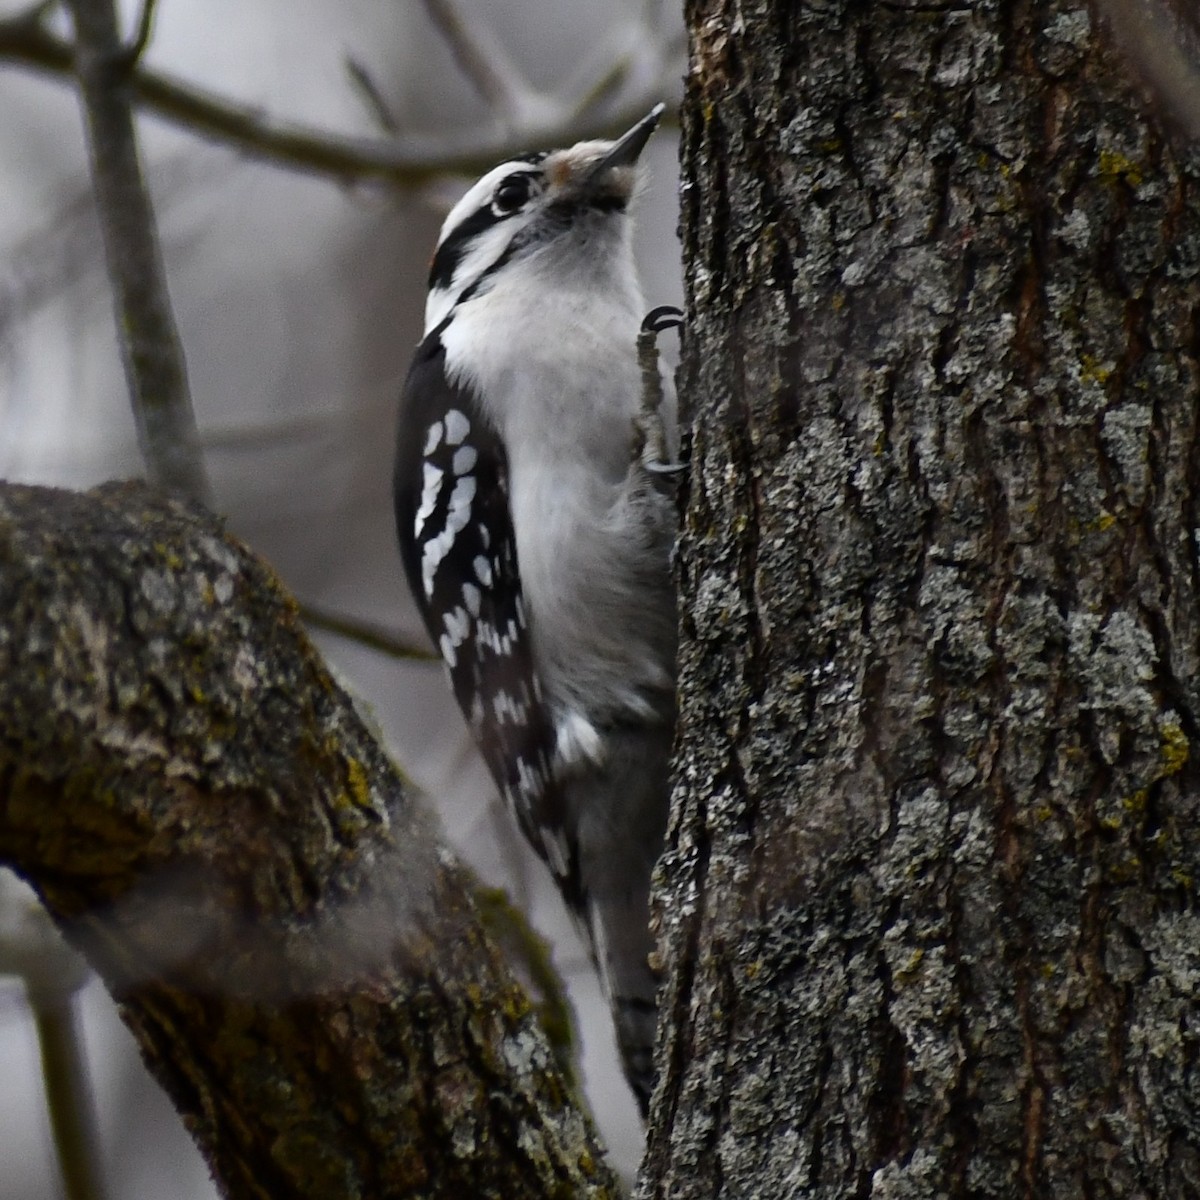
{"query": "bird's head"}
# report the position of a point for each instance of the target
(528, 206)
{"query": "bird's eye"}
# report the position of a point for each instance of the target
(511, 193)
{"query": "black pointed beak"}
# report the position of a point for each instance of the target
(625, 150)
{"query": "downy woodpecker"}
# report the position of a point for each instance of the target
(536, 537)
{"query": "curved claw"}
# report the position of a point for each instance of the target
(665, 468)
(665, 316)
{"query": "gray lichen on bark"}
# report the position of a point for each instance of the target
(213, 823)
(928, 890)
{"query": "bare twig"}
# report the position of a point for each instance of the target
(52, 973)
(68, 1095)
(417, 161)
(150, 348)
(483, 61)
(270, 434)
(366, 86)
(374, 637)
(134, 51)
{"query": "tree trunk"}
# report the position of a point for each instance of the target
(202, 808)
(929, 893)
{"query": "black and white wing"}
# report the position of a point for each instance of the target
(460, 556)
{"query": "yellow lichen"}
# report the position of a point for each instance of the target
(907, 972)
(1114, 166)
(1127, 870)
(1173, 748)
(1135, 804)
(1091, 370)
(356, 780)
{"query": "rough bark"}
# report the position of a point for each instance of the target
(213, 823)
(929, 894)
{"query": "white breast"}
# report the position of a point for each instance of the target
(552, 356)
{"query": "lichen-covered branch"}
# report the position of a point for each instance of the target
(208, 817)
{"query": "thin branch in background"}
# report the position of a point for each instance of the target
(591, 95)
(52, 974)
(150, 347)
(68, 1094)
(482, 60)
(270, 435)
(368, 89)
(365, 633)
(415, 162)
(134, 51)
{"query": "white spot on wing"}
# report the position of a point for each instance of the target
(435, 436)
(457, 427)
(554, 843)
(578, 741)
(458, 625)
(431, 485)
(483, 570)
(529, 780)
(465, 458)
(435, 550)
(460, 503)
(472, 597)
(509, 708)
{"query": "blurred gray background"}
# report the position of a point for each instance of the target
(298, 303)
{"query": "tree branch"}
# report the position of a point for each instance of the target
(415, 162)
(207, 817)
(366, 633)
(68, 1095)
(482, 60)
(150, 346)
